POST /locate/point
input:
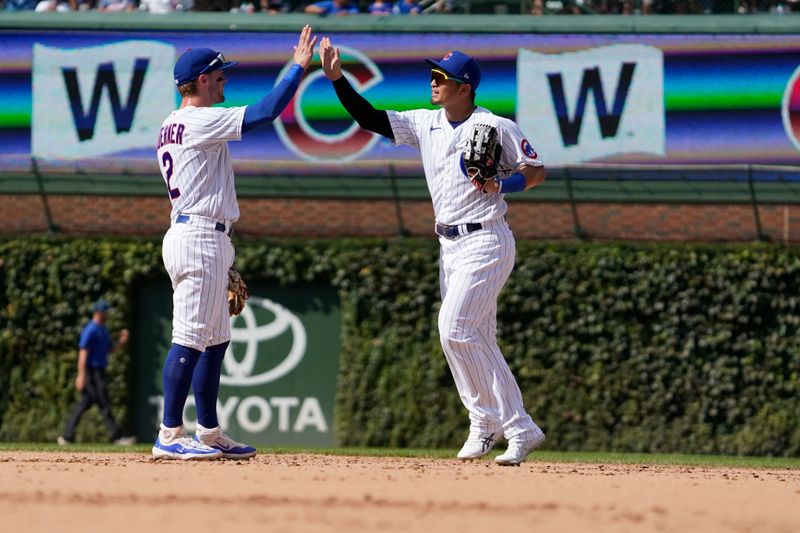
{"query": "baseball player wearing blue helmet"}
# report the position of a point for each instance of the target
(196, 166)
(477, 247)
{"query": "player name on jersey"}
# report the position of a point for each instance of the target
(170, 134)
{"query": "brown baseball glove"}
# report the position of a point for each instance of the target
(482, 155)
(237, 292)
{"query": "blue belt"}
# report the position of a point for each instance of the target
(451, 232)
(184, 219)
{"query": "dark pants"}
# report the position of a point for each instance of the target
(95, 392)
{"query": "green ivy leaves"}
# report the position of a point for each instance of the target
(662, 348)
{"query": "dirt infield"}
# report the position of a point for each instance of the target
(65, 492)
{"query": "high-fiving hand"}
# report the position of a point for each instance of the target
(331, 60)
(304, 51)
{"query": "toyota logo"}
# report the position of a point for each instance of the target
(240, 372)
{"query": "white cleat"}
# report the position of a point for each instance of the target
(217, 439)
(478, 444)
(174, 443)
(519, 447)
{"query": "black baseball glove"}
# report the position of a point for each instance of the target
(237, 292)
(482, 155)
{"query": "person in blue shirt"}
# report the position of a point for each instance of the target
(406, 7)
(332, 7)
(21, 5)
(379, 8)
(94, 347)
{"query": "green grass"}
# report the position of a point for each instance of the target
(713, 461)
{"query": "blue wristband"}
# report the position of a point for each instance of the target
(516, 182)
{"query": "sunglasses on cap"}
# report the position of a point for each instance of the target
(440, 76)
(219, 60)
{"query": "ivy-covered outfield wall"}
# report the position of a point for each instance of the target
(616, 347)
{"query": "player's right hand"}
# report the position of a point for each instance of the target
(331, 60)
(304, 51)
(80, 381)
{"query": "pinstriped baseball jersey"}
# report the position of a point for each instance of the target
(195, 162)
(196, 166)
(455, 199)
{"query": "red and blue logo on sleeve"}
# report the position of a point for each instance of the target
(528, 150)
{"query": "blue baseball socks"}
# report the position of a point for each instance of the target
(205, 384)
(177, 378)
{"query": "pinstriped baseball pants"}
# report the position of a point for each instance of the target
(197, 258)
(472, 270)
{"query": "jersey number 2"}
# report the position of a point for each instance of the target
(166, 160)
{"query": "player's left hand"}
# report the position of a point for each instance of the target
(304, 51)
(124, 335)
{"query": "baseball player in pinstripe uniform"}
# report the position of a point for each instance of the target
(477, 247)
(197, 250)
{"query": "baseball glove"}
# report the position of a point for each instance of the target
(237, 292)
(482, 155)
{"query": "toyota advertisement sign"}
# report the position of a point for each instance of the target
(278, 378)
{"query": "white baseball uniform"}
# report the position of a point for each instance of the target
(475, 265)
(197, 250)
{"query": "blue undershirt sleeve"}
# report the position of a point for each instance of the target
(268, 108)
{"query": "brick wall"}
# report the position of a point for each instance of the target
(99, 215)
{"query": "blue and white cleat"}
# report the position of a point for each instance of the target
(175, 443)
(217, 439)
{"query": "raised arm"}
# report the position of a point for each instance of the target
(268, 108)
(363, 112)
